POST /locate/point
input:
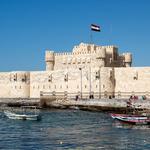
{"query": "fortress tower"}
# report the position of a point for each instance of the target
(49, 59)
(127, 59)
(100, 56)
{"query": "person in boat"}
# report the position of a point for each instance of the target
(143, 97)
(129, 102)
(135, 97)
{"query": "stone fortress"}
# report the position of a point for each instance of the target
(89, 70)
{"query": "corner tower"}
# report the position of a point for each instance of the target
(100, 56)
(49, 60)
(127, 59)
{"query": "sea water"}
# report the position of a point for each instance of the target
(72, 129)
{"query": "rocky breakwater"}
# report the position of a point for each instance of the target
(99, 104)
(17, 102)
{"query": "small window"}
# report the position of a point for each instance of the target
(50, 78)
(97, 76)
(66, 78)
(23, 80)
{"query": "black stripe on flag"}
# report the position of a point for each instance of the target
(95, 27)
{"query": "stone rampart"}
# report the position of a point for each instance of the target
(15, 84)
(89, 69)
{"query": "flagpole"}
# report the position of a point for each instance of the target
(91, 37)
(93, 28)
(110, 34)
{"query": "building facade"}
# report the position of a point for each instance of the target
(88, 69)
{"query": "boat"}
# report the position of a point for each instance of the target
(115, 116)
(24, 114)
(135, 120)
(132, 119)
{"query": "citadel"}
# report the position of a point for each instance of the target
(89, 69)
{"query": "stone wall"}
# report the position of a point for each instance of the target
(89, 69)
(134, 80)
(100, 81)
(71, 80)
(15, 84)
(4, 84)
(110, 81)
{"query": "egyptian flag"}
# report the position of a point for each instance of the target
(95, 28)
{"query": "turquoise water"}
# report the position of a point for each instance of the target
(72, 129)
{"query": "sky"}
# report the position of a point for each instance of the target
(29, 27)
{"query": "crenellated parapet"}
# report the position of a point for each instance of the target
(85, 55)
(85, 48)
(65, 54)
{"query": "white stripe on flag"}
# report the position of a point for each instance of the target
(95, 27)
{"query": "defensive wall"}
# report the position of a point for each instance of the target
(102, 82)
(89, 69)
(15, 84)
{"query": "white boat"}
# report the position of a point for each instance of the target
(24, 114)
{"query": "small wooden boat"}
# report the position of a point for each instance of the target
(24, 114)
(115, 116)
(132, 119)
(135, 120)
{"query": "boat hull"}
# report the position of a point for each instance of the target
(12, 115)
(137, 121)
(132, 119)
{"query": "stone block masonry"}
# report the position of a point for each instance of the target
(88, 70)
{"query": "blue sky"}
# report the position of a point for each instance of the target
(28, 27)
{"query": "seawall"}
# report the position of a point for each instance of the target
(115, 105)
(118, 105)
(17, 102)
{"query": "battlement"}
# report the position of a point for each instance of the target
(49, 56)
(84, 48)
(106, 56)
(109, 46)
(65, 53)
